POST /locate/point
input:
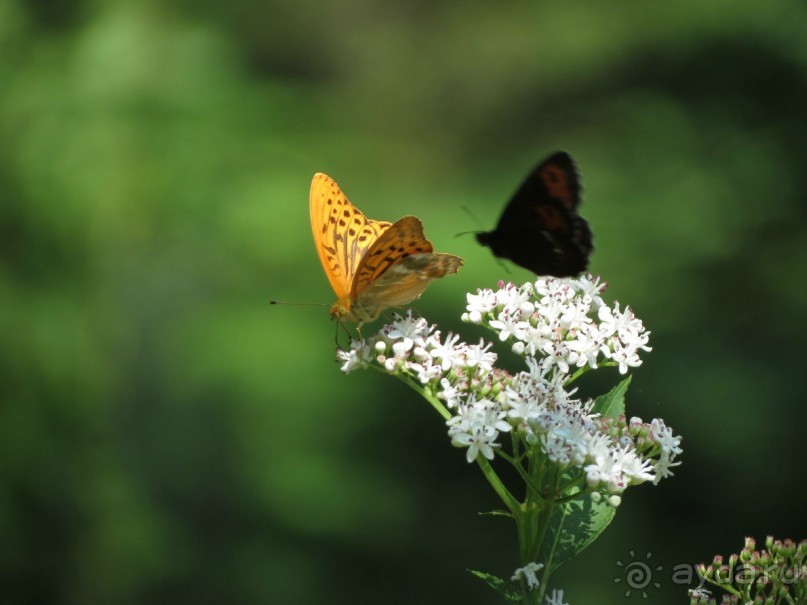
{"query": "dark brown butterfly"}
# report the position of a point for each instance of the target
(540, 228)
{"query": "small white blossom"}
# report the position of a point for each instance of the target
(590, 288)
(617, 468)
(662, 468)
(483, 302)
(699, 593)
(523, 409)
(555, 598)
(478, 356)
(566, 441)
(476, 426)
(663, 436)
(550, 287)
(635, 468)
(408, 331)
(449, 393)
(527, 573)
(585, 349)
(477, 440)
(474, 317)
(426, 371)
(515, 299)
(356, 357)
(449, 353)
(508, 325)
(625, 357)
(669, 446)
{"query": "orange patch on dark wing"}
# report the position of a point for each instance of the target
(551, 218)
(556, 182)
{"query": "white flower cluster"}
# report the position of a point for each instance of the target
(550, 320)
(461, 375)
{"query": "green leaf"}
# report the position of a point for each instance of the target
(506, 588)
(612, 404)
(573, 526)
(497, 513)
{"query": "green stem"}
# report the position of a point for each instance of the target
(530, 533)
(576, 375)
(541, 526)
(727, 587)
(580, 479)
(427, 395)
(519, 468)
(509, 501)
(584, 369)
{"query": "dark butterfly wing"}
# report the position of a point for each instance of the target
(540, 228)
(556, 177)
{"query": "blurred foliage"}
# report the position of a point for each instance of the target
(167, 436)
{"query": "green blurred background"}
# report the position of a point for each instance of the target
(166, 436)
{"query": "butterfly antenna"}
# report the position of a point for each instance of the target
(473, 218)
(297, 304)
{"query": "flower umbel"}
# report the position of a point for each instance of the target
(565, 449)
(554, 319)
(553, 324)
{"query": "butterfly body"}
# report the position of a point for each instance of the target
(371, 265)
(540, 229)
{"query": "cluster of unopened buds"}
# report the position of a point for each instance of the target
(775, 574)
(561, 328)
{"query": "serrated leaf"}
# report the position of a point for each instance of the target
(612, 403)
(506, 588)
(573, 526)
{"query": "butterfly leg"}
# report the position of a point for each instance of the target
(336, 338)
(339, 324)
(501, 262)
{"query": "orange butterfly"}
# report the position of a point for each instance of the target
(372, 265)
